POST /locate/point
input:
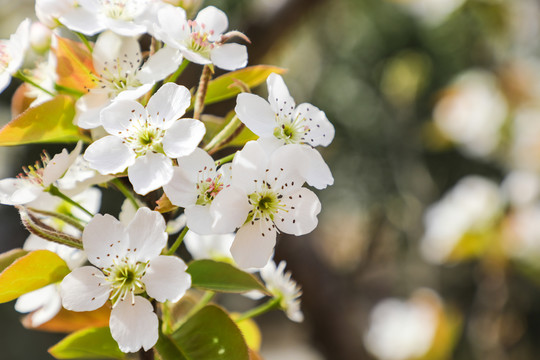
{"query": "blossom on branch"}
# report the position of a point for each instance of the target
(127, 263)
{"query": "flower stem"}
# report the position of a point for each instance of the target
(124, 190)
(178, 241)
(201, 91)
(228, 133)
(225, 159)
(178, 72)
(19, 75)
(68, 90)
(259, 310)
(85, 41)
(70, 220)
(208, 295)
(53, 190)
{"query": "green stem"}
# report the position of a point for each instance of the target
(225, 159)
(125, 191)
(178, 241)
(178, 72)
(208, 295)
(225, 135)
(85, 41)
(68, 90)
(53, 190)
(19, 75)
(71, 220)
(259, 310)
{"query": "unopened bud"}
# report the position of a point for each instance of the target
(40, 37)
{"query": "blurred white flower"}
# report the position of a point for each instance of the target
(12, 53)
(431, 12)
(214, 247)
(470, 206)
(525, 142)
(472, 112)
(521, 187)
(401, 330)
(282, 287)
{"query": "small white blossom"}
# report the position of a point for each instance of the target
(279, 122)
(127, 263)
(282, 287)
(266, 195)
(121, 75)
(215, 247)
(12, 53)
(94, 16)
(194, 185)
(145, 140)
(470, 206)
(199, 40)
(402, 330)
(36, 179)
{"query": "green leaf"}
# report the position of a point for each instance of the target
(31, 272)
(88, 343)
(51, 121)
(74, 65)
(210, 334)
(167, 350)
(220, 88)
(220, 276)
(9, 257)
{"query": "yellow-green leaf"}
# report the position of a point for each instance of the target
(220, 88)
(31, 272)
(88, 344)
(74, 65)
(49, 122)
(10, 256)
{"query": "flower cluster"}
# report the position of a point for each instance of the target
(145, 135)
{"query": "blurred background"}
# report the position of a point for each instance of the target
(428, 244)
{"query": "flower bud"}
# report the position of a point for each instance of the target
(40, 37)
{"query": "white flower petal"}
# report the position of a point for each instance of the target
(173, 25)
(256, 114)
(51, 303)
(147, 236)
(150, 172)
(194, 57)
(89, 108)
(229, 209)
(166, 278)
(111, 48)
(124, 28)
(229, 56)
(301, 218)
(35, 299)
(183, 137)
(59, 164)
(134, 325)
(278, 94)
(249, 166)
(84, 289)
(116, 118)
(81, 20)
(18, 191)
(133, 93)
(199, 219)
(213, 20)
(104, 239)
(168, 104)
(163, 63)
(109, 155)
(321, 131)
(253, 245)
(216, 247)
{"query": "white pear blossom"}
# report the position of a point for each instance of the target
(279, 121)
(145, 140)
(94, 16)
(215, 246)
(49, 11)
(471, 206)
(121, 75)
(127, 263)
(200, 40)
(194, 185)
(28, 186)
(12, 53)
(282, 287)
(402, 330)
(266, 195)
(45, 76)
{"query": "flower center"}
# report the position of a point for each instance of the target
(143, 136)
(266, 203)
(5, 57)
(208, 189)
(124, 277)
(121, 9)
(291, 131)
(34, 174)
(198, 39)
